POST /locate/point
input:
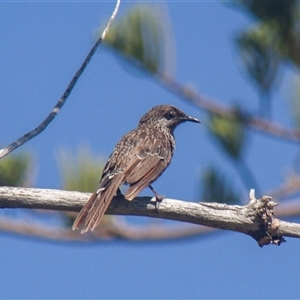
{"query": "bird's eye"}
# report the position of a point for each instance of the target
(169, 115)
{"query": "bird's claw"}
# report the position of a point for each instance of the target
(158, 200)
(120, 196)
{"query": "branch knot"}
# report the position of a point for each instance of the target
(261, 212)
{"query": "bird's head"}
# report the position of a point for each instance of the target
(166, 116)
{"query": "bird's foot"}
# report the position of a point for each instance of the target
(120, 196)
(158, 198)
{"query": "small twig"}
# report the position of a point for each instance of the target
(28, 136)
(252, 195)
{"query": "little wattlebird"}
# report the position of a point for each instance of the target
(138, 159)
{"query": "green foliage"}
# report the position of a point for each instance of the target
(266, 10)
(80, 171)
(230, 133)
(273, 39)
(218, 188)
(141, 36)
(278, 26)
(14, 170)
(258, 49)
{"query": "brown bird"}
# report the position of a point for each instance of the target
(138, 159)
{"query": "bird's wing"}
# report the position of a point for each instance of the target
(148, 160)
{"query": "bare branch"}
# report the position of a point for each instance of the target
(255, 219)
(290, 186)
(210, 105)
(289, 209)
(28, 136)
(107, 230)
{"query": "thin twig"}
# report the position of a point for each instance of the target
(28, 136)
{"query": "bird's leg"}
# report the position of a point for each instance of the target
(120, 196)
(158, 197)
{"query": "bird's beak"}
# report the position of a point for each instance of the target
(192, 119)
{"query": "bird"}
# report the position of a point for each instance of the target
(137, 160)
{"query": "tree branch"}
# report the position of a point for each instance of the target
(28, 136)
(212, 106)
(255, 219)
(114, 228)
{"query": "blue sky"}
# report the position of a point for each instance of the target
(42, 45)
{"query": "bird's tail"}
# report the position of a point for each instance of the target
(90, 215)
